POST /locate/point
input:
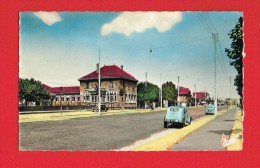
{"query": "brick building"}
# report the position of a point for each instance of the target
(184, 95)
(67, 96)
(201, 97)
(118, 88)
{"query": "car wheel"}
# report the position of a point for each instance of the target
(165, 124)
(183, 125)
(190, 120)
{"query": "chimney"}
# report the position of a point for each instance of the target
(122, 67)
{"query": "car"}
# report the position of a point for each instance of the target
(177, 115)
(102, 108)
(210, 109)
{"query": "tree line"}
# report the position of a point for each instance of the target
(31, 90)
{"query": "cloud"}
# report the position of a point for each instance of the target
(130, 22)
(48, 18)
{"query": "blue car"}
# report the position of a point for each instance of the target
(210, 109)
(177, 115)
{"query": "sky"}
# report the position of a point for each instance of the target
(58, 48)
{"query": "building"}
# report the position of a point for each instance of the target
(118, 88)
(65, 96)
(201, 97)
(184, 95)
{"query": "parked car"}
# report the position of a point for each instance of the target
(102, 108)
(177, 115)
(210, 109)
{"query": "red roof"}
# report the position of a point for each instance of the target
(67, 89)
(111, 71)
(184, 91)
(200, 95)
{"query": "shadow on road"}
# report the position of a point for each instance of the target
(220, 132)
(228, 120)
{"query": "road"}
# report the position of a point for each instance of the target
(96, 133)
(209, 136)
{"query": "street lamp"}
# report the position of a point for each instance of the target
(60, 100)
(85, 99)
(99, 99)
(161, 89)
(178, 99)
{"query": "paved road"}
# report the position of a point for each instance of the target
(209, 136)
(96, 133)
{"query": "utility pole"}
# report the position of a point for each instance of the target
(161, 89)
(145, 79)
(178, 92)
(230, 86)
(60, 100)
(145, 103)
(215, 39)
(195, 95)
(205, 94)
(230, 90)
(99, 99)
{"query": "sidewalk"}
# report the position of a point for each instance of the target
(166, 142)
(209, 136)
(237, 130)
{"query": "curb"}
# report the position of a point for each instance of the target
(168, 141)
(42, 117)
(237, 130)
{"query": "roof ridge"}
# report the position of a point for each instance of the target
(109, 71)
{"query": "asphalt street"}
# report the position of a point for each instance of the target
(95, 133)
(209, 136)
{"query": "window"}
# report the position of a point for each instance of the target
(94, 98)
(73, 98)
(111, 98)
(62, 98)
(78, 99)
(67, 99)
(106, 98)
(111, 84)
(87, 85)
(102, 99)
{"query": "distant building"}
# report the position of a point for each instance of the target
(118, 88)
(184, 95)
(201, 96)
(67, 96)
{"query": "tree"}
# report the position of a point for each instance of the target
(235, 53)
(31, 90)
(149, 93)
(169, 92)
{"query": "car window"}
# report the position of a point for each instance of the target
(174, 109)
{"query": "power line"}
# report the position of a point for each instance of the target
(210, 22)
(207, 23)
(222, 56)
(180, 43)
(56, 83)
(204, 24)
